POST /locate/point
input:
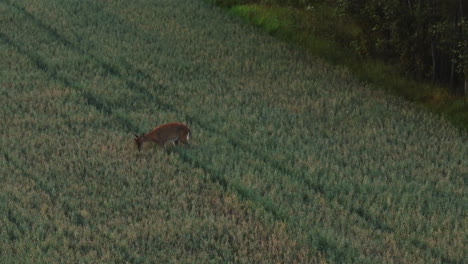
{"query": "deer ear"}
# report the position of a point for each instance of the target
(136, 135)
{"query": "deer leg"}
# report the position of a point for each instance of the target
(184, 140)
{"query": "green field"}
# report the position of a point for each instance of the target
(292, 160)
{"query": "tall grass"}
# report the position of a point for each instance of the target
(292, 160)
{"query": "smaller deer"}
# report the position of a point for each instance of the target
(172, 132)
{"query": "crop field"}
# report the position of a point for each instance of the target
(291, 160)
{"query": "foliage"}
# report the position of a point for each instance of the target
(292, 160)
(427, 37)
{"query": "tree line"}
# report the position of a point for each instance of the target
(427, 39)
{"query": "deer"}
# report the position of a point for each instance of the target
(161, 135)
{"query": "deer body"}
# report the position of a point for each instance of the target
(161, 135)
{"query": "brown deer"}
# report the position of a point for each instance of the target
(172, 132)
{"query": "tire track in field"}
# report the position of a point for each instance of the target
(42, 65)
(96, 102)
(298, 176)
(100, 104)
(234, 141)
(216, 176)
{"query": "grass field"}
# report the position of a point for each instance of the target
(292, 160)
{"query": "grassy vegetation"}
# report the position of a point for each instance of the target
(292, 160)
(334, 37)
